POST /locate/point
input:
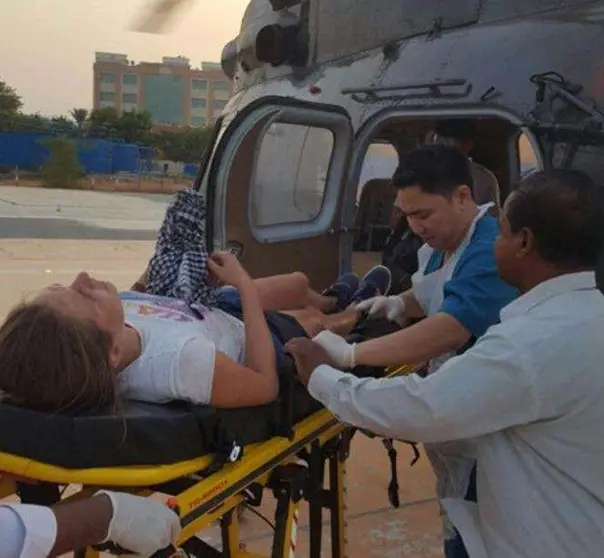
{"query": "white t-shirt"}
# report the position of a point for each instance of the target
(178, 349)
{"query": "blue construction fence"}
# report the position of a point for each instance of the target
(27, 151)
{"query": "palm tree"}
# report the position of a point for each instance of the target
(80, 115)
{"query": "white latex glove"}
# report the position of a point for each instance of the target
(340, 351)
(390, 307)
(141, 525)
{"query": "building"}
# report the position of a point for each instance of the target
(174, 93)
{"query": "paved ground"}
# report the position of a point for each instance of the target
(48, 236)
(54, 213)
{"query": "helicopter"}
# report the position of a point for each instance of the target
(320, 85)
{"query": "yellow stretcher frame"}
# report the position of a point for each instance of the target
(273, 464)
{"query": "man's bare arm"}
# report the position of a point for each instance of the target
(413, 308)
(430, 338)
(81, 523)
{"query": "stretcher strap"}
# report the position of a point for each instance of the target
(228, 452)
(287, 381)
(393, 486)
(226, 448)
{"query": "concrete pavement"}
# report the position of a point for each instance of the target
(76, 214)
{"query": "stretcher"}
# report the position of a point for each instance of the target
(209, 462)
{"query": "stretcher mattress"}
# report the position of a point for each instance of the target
(147, 434)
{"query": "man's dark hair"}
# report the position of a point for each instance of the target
(461, 129)
(564, 209)
(435, 169)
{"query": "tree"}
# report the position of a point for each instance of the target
(19, 122)
(62, 169)
(135, 126)
(61, 125)
(104, 122)
(185, 145)
(10, 102)
(80, 115)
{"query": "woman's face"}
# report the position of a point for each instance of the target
(87, 299)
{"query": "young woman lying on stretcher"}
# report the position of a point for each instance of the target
(76, 348)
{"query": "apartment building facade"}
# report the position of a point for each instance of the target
(171, 90)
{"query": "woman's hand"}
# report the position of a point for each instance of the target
(226, 270)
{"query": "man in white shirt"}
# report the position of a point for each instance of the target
(527, 401)
(136, 524)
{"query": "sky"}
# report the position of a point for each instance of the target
(47, 46)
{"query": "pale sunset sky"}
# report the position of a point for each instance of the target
(47, 46)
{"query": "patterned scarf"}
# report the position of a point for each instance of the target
(179, 266)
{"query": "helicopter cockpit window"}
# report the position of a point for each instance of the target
(291, 174)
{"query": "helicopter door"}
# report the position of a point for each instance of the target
(275, 186)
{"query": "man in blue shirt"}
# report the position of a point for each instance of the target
(456, 292)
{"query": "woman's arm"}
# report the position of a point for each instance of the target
(259, 348)
(233, 384)
(255, 382)
(141, 283)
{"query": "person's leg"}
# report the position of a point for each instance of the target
(292, 291)
(455, 547)
(313, 321)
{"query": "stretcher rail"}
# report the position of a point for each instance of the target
(318, 440)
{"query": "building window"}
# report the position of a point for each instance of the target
(293, 190)
(218, 105)
(164, 97)
(198, 103)
(107, 96)
(130, 98)
(107, 77)
(198, 121)
(221, 86)
(130, 79)
(200, 84)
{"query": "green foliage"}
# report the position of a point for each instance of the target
(80, 115)
(62, 125)
(131, 127)
(181, 144)
(135, 127)
(62, 169)
(10, 102)
(186, 145)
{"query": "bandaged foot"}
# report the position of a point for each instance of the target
(339, 350)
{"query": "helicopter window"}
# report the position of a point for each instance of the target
(527, 155)
(380, 161)
(291, 173)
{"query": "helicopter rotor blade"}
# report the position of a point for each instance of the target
(157, 18)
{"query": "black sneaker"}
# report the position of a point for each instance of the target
(377, 282)
(343, 290)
